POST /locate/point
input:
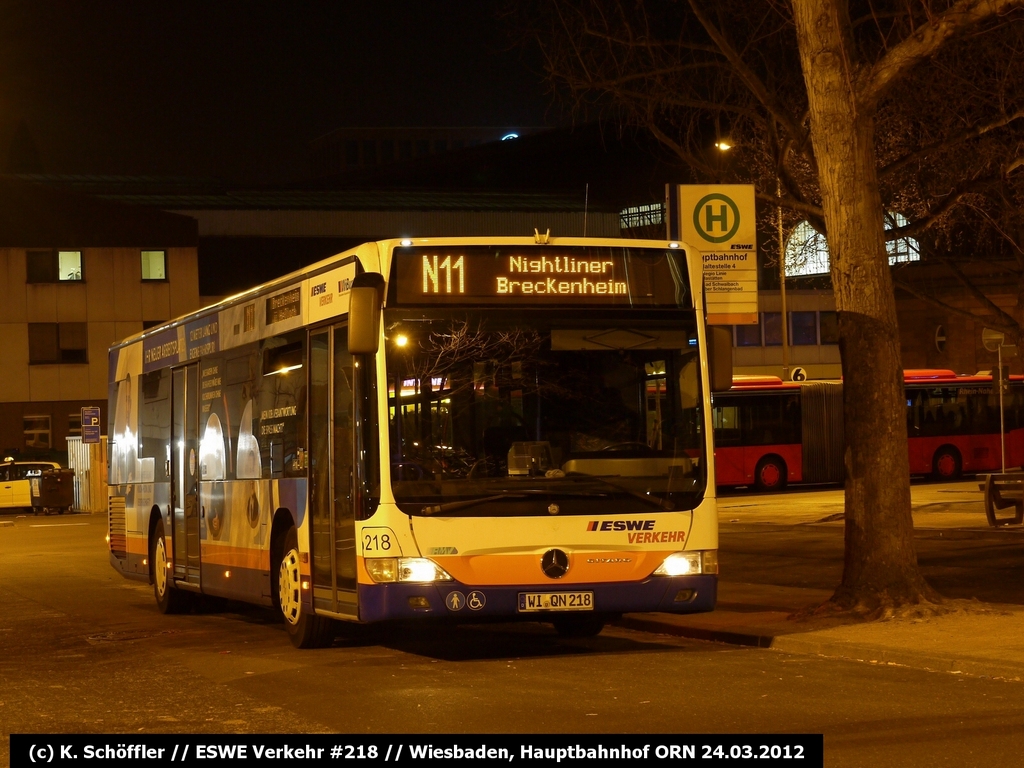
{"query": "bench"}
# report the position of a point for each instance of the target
(1001, 492)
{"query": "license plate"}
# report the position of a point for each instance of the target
(530, 602)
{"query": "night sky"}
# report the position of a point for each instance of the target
(234, 90)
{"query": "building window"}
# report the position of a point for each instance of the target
(440, 145)
(50, 343)
(147, 324)
(37, 431)
(904, 250)
(829, 322)
(351, 153)
(405, 149)
(807, 250)
(75, 424)
(53, 266)
(772, 329)
(641, 216)
(748, 335)
(804, 326)
(154, 265)
(387, 150)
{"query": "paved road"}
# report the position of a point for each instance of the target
(82, 650)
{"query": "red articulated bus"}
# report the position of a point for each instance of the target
(769, 433)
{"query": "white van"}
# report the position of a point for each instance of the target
(16, 478)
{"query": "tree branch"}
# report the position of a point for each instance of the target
(925, 42)
(749, 79)
(952, 141)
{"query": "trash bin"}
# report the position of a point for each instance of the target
(53, 491)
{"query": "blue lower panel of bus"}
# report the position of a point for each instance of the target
(677, 594)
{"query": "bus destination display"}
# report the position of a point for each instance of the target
(542, 275)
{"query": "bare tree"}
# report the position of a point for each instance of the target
(839, 111)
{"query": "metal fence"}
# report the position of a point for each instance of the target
(90, 464)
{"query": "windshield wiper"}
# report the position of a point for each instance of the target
(654, 501)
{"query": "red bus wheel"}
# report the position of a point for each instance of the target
(946, 465)
(770, 474)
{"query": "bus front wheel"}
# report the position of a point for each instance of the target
(947, 463)
(168, 599)
(770, 474)
(305, 629)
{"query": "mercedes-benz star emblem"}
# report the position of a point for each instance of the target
(555, 563)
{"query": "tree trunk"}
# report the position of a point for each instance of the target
(880, 570)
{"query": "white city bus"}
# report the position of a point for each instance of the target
(468, 429)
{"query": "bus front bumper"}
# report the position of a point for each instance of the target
(466, 602)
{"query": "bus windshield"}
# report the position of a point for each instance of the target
(544, 412)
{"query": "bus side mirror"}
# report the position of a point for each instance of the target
(720, 357)
(366, 297)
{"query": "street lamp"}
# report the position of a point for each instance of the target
(723, 145)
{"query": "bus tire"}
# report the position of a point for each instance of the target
(947, 464)
(770, 474)
(578, 626)
(305, 629)
(169, 599)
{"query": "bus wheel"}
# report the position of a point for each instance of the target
(305, 629)
(578, 626)
(168, 599)
(770, 474)
(947, 464)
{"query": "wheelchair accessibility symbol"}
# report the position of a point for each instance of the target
(455, 601)
(476, 600)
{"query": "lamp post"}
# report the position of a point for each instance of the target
(724, 145)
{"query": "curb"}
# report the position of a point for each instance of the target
(974, 667)
(654, 626)
(809, 645)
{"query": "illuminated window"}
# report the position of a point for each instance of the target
(807, 251)
(905, 249)
(53, 266)
(154, 265)
(641, 216)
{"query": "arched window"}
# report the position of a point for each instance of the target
(807, 251)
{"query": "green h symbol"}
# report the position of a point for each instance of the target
(710, 218)
(724, 205)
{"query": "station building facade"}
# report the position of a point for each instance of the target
(77, 274)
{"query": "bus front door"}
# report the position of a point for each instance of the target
(185, 472)
(331, 451)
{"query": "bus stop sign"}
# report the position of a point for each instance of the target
(90, 424)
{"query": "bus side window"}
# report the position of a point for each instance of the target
(282, 406)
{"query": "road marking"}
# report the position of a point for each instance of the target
(55, 525)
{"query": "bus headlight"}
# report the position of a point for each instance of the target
(689, 563)
(417, 570)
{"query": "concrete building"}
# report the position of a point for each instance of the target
(77, 274)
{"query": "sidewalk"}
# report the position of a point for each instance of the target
(985, 640)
